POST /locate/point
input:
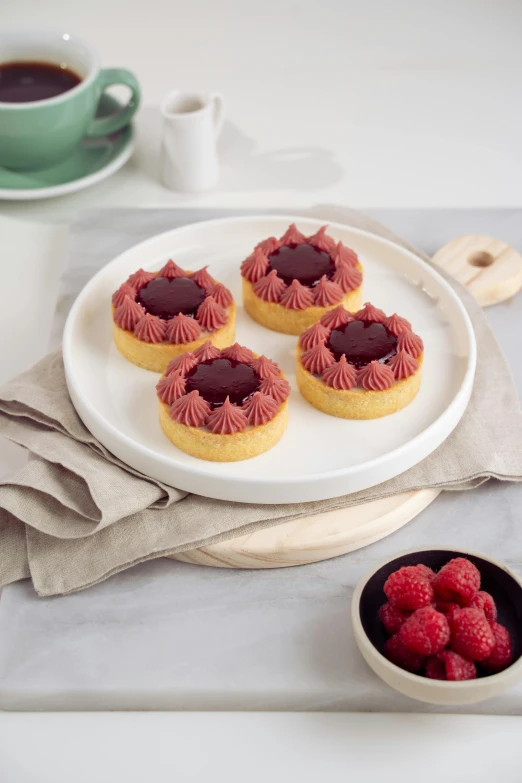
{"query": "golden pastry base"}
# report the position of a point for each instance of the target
(356, 403)
(224, 448)
(156, 356)
(281, 319)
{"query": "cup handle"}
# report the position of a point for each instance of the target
(218, 107)
(103, 126)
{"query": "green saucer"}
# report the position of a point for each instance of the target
(93, 161)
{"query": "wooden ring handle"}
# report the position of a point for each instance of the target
(490, 269)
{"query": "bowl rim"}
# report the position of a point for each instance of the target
(363, 639)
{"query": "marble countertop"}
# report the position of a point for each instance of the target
(168, 635)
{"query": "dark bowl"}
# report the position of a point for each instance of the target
(496, 579)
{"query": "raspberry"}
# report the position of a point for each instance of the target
(502, 654)
(448, 609)
(407, 589)
(457, 667)
(457, 581)
(471, 635)
(484, 601)
(445, 607)
(398, 654)
(435, 669)
(426, 632)
(426, 572)
(449, 665)
(391, 618)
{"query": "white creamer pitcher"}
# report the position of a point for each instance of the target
(191, 126)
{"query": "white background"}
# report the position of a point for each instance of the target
(370, 103)
(367, 102)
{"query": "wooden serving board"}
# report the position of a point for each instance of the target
(314, 538)
(492, 271)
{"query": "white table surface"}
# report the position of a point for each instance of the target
(365, 102)
(371, 103)
(234, 747)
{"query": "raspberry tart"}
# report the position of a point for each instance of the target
(289, 283)
(223, 406)
(359, 366)
(159, 315)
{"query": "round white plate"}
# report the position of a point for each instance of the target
(319, 456)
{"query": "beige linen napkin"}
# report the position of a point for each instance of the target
(75, 514)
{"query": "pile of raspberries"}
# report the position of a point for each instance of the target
(442, 624)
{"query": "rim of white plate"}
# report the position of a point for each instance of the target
(462, 395)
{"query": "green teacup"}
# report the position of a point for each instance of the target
(40, 133)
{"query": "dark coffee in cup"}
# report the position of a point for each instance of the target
(50, 89)
(23, 82)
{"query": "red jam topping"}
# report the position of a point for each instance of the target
(171, 387)
(341, 375)
(171, 271)
(314, 335)
(183, 363)
(336, 317)
(260, 409)
(255, 266)
(327, 293)
(182, 329)
(362, 342)
(140, 278)
(270, 288)
(227, 419)
(375, 377)
(166, 297)
(217, 379)
(238, 353)
(284, 271)
(191, 410)
(396, 324)
(292, 236)
(370, 313)
(221, 295)
(348, 278)
(124, 290)
(303, 262)
(211, 315)
(411, 343)
(297, 296)
(403, 365)
(317, 359)
(322, 241)
(203, 279)
(344, 255)
(206, 351)
(150, 329)
(276, 387)
(265, 367)
(127, 315)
